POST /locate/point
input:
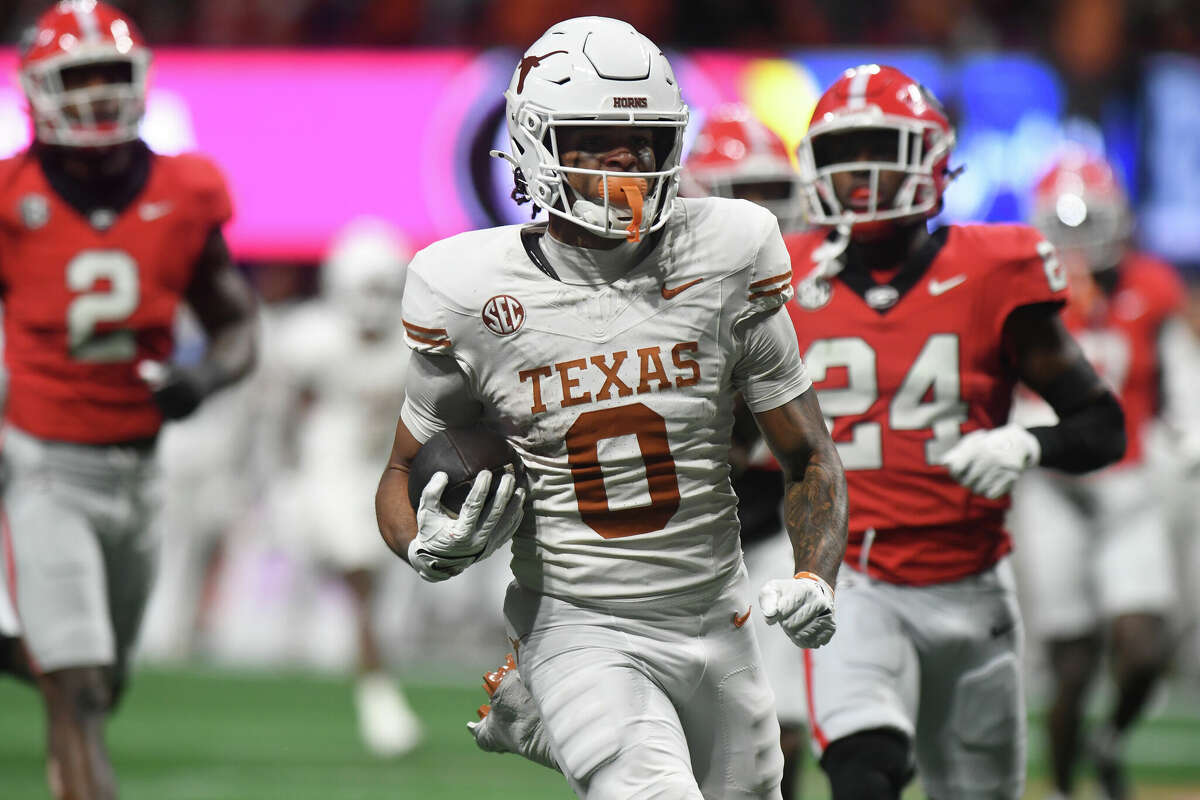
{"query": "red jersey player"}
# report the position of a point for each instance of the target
(915, 340)
(100, 240)
(1109, 523)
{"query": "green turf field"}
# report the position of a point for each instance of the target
(186, 735)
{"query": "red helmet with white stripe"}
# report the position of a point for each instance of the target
(875, 120)
(1080, 205)
(736, 155)
(83, 69)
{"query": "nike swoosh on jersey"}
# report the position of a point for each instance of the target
(152, 211)
(667, 294)
(937, 287)
(740, 619)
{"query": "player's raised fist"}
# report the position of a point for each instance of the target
(802, 606)
(989, 462)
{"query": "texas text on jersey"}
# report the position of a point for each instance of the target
(942, 362)
(89, 297)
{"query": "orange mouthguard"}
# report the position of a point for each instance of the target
(628, 193)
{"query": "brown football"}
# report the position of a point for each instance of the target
(462, 453)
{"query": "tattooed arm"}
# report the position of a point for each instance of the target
(814, 483)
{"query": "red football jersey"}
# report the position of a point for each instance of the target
(1119, 335)
(903, 371)
(83, 305)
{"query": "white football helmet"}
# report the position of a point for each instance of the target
(593, 71)
(363, 273)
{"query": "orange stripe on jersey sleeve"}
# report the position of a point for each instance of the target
(438, 337)
(781, 289)
(773, 279)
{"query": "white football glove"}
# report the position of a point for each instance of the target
(511, 722)
(803, 607)
(445, 545)
(989, 462)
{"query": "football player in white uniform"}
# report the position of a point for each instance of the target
(344, 358)
(607, 346)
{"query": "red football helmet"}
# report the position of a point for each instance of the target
(911, 134)
(73, 36)
(1080, 205)
(736, 155)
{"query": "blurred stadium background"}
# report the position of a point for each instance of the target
(322, 111)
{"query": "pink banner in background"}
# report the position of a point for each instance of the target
(307, 141)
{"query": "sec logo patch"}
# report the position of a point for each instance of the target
(503, 315)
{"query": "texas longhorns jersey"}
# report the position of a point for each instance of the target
(86, 300)
(618, 397)
(903, 370)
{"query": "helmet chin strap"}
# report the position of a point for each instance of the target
(827, 256)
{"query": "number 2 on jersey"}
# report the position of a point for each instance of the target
(95, 306)
(929, 397)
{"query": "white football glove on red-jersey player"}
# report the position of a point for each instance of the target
(803, 607)
(511, 722)
(989, 462)
(446, 545)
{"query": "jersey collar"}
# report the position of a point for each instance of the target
(113, 195)
(531, 236)
(883, 297)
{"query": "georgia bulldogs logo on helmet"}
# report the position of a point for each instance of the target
(503, 315)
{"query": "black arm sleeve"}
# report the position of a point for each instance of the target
(1091, 429)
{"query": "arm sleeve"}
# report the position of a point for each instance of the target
(1090, 433)
(770, 371)
(1088, 438)
(436, 396)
